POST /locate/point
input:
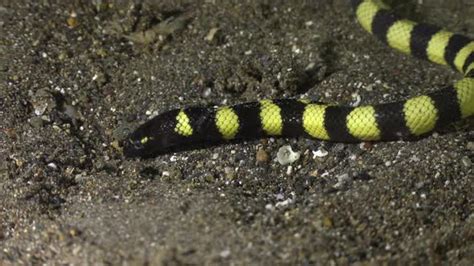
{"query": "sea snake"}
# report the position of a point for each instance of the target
(405, 119)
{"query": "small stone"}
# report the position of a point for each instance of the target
(72, 20)
(11, 133)
(209, 178)
(466, 162)
(207, 92)
(286, 155)
(71, 112)
(80, 178)
(172, 173)
(116, 145)
(262, 156)
(321, 152)
(36, 122)
(310, 66)
(342, 180)
(314, 173)
(100, 78)
(42, 102)
(62, 56)
(366, 146)
(211, 34)
(327, 222)
(415, 159)
(284, 203)
(229, 173)
(289, 170)
(470, 145)
(225, 253)
(356, 99)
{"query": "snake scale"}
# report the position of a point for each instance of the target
(406, 119)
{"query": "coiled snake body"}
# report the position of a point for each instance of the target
(298, 118)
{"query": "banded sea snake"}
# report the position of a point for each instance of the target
(298, 118)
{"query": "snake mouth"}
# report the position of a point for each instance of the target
(132, 148)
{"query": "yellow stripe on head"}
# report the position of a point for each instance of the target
(144, 140)
(420, 115)
(227, 122)
(183, 127)
(462, 56)
(362, 124)
(270, 117)
(366, 12)
(399, 35)
(465, 92)
(470, 70)
(437, 47)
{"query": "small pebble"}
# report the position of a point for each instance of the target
(211, 34)
(52, 165)
(286, 155)
(42, 102)
(327, 222)
(343, 180)
(72, 20)
(225, 253)
(470, 145)
(284, 203)
(269, 207)
(321, 152)
(356, 99)
(207, 92)
(229, 173)
(466, 162)
(366, 146)
(262, 156)
(310, 66)
(289, 170)
(36, 122)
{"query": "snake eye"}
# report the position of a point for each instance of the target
(136, 144)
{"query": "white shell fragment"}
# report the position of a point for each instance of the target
(286, 155)
(321, 152)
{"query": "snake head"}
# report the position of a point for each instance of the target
(154, 137)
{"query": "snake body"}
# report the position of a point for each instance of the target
(404, 119)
